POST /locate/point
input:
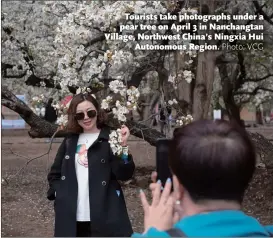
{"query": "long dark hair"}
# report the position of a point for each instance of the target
(73, 125)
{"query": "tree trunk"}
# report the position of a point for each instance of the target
(233, 110)
(203, 85)
(184, 89)
(205, 70)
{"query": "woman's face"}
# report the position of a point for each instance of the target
(86, 115)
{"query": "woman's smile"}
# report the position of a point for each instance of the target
(87, 123)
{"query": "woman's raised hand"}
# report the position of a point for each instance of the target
(160, 214)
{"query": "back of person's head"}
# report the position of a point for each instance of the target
(213, 160)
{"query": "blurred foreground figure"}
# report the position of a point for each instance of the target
(50, 112)
(212, 164)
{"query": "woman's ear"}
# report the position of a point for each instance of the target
(177, 188)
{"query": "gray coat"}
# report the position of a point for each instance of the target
(108, 211)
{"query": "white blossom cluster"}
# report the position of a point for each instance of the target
(61, 109)
(61, 38)
(189, 10)
(62, 120)
(129, 99)
(30, 38)
(105, 104)
(184, 120)
(117, 86)
(38, 101)
(260, 95)
(132, 97)
(115, 140)
(38, 105)
(171, 79)
(85, 90)
(80, 64)
(187, 73)
(119, 111)
(171, 102)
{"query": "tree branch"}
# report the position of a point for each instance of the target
(95, 40)
(38, 125)
(4, 71)
(254, 91)
(41, 128)
(260, 79)
(261, 11)
(35, 81)
(29, 160)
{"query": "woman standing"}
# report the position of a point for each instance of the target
(83, 178)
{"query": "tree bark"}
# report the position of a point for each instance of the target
(205, 71)
(184, 89)
(203, 85)
(232, 108)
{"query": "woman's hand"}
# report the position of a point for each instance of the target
(160, 214)
(153, 185)
(125, 133)
(178, 212)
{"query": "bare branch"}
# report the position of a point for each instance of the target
(260, 79)
(149, 118)
(30, 160)
(22, 156)
(255, 91)
(261, 11)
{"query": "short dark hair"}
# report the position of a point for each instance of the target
(213, 160)
(73, 125)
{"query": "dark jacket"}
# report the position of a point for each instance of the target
(108, 211)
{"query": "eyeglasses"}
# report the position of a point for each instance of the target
(90, 114)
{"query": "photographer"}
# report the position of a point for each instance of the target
(212, 164)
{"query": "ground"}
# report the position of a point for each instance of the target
(27, 212)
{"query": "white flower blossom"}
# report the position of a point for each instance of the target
(115, 139)
(184, 120)
(170, 102)
(60, 42)
(62, 120)
(187, 75)
(171, 79)
(104, 104)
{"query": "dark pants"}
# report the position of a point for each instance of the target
(84, 229)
